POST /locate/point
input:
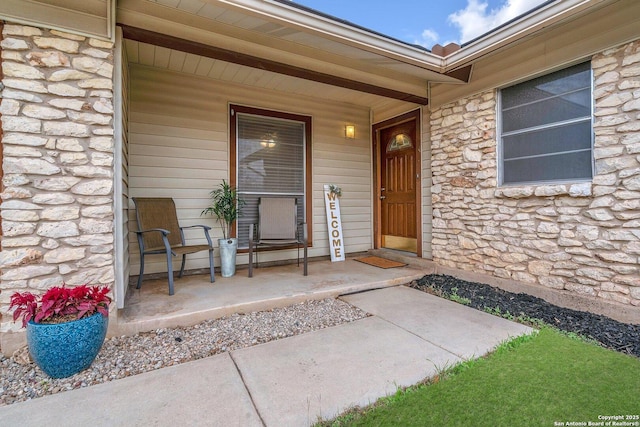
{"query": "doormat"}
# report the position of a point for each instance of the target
(380, 262)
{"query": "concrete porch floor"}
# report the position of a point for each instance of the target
(196, 299)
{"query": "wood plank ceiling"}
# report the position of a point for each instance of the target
(175, 60)
(218, 40)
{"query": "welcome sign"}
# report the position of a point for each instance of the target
(334, 225)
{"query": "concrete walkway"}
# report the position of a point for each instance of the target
(289, 382)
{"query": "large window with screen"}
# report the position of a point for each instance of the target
(546, 128)
(271, 159)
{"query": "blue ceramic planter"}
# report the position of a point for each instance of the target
(64, 349)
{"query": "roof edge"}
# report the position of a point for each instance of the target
(342, 30)
(349, 23)
(530, 23)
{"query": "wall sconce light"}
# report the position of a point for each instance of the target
(350, 131)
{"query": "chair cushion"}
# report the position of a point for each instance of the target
(182, 250)
(277, 218)
(157, 212)
(278, 242)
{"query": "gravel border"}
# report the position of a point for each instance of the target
(124, 356)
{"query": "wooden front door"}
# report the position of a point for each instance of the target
(398, 180)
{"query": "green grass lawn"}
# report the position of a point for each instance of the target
(542, 380)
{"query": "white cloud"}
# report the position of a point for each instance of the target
(427, 39)
(475, 20)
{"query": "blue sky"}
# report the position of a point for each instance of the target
(426, 22)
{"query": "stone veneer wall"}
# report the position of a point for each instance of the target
(57, 123)
(581, 237)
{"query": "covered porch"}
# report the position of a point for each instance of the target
(212, 93)
(196, 299)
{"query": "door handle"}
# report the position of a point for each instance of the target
(383, 197)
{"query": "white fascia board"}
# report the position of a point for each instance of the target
(340, 31)
(529, 24)
(55, 17)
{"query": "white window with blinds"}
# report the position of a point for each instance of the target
(546, 128)
(271, 152)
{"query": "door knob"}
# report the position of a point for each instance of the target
(383, 197)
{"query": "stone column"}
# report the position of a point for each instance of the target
(57, 142)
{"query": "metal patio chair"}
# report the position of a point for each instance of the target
(159, 233)
(277, 227)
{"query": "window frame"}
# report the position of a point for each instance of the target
(500, 138)
(308, 178)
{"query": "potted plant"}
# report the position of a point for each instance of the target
(226, 206)
(66, 326)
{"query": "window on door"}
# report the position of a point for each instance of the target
(271, 158)
(546, 128)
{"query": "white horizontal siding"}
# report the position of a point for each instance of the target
(426, 208)
(179, 148)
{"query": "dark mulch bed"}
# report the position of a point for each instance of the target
(610, 333)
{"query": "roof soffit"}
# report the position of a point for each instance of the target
(137, 13)
(92, 18)
(167, 44)
(219, 24)
(527, 26)
(394, 55)
(342, 32)
(571, 41)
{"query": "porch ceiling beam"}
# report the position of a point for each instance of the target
(201, 49)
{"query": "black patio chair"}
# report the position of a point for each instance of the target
(159, 233)
(277, 227)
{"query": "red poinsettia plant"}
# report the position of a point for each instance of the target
(60, 304)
